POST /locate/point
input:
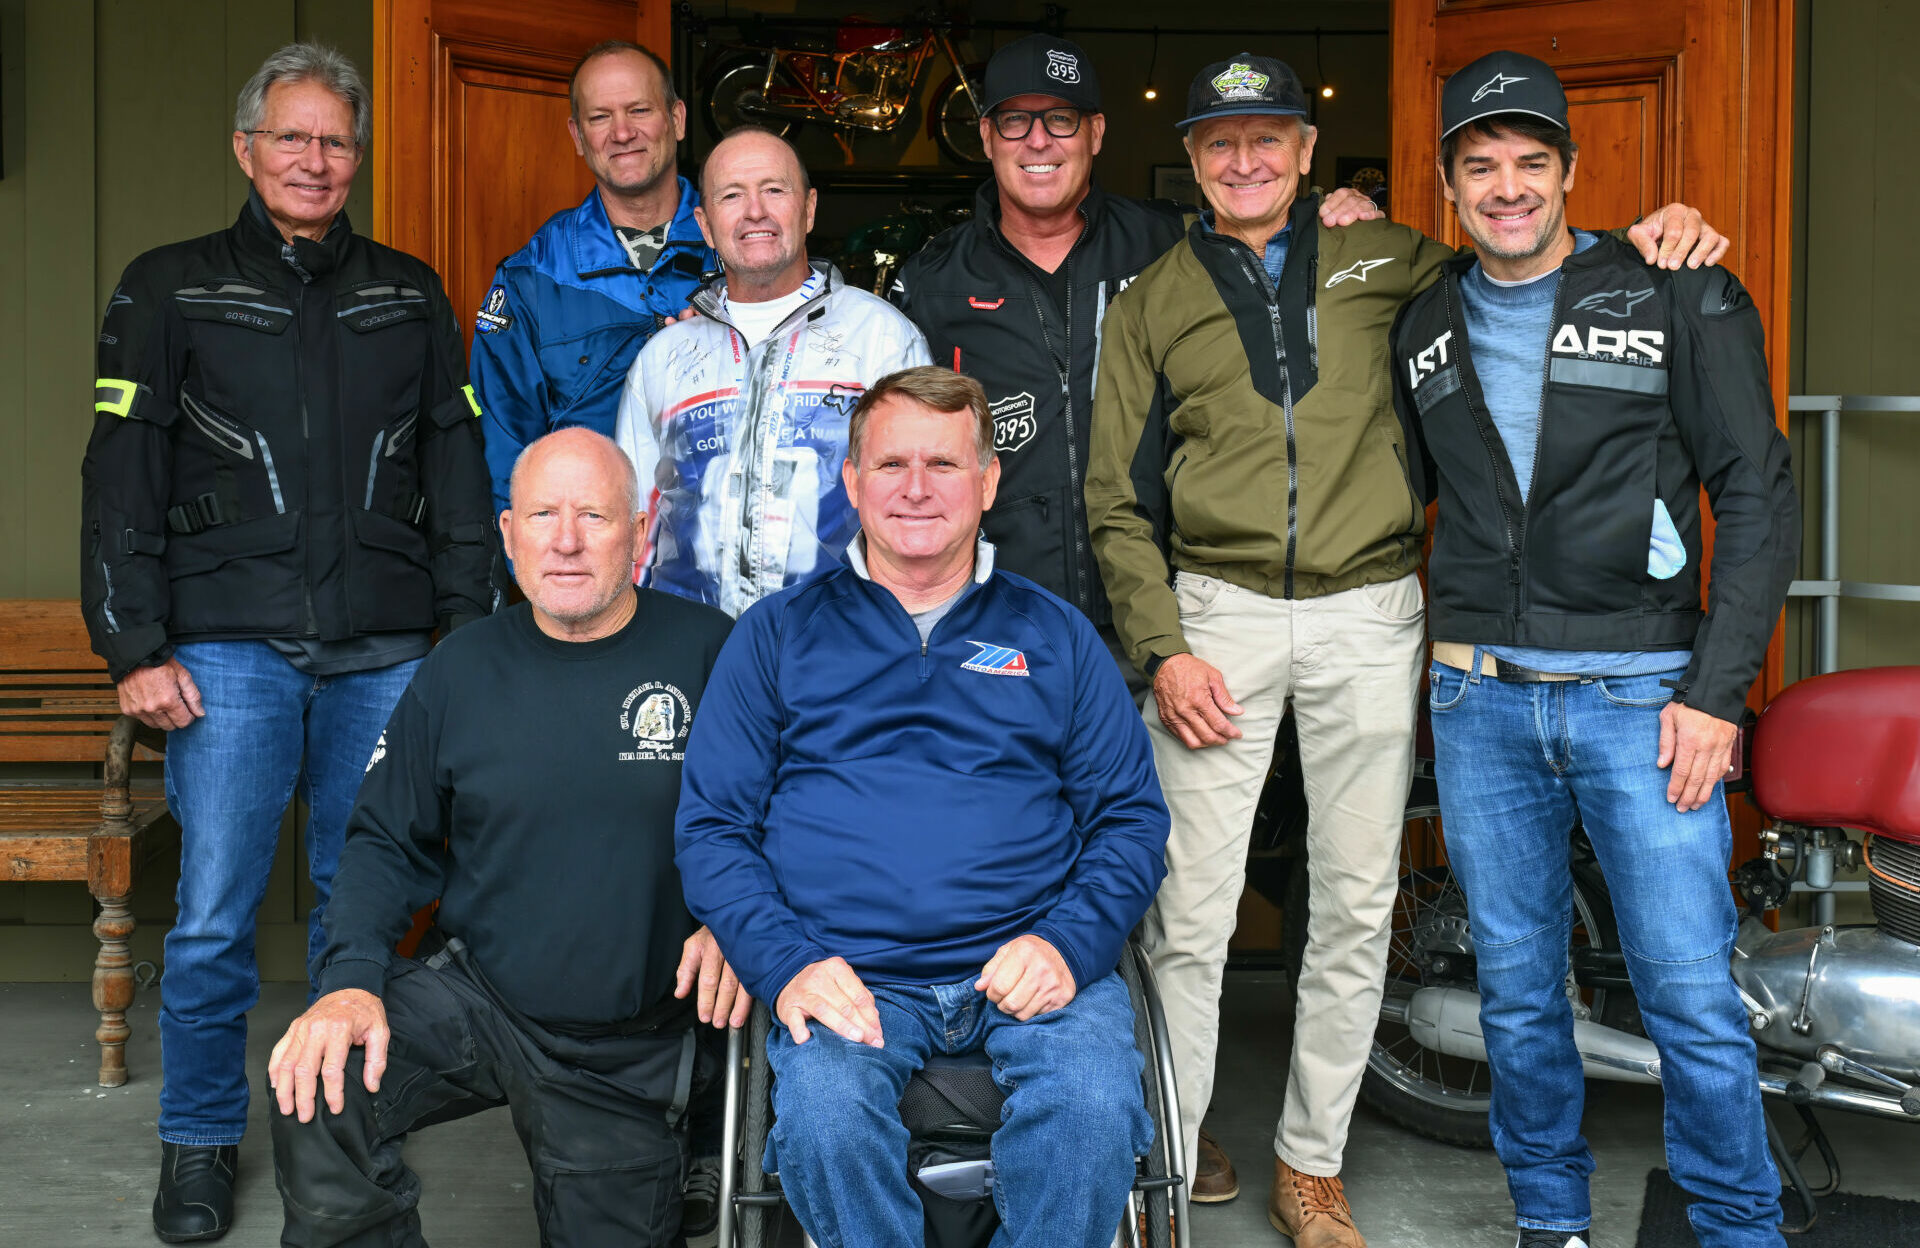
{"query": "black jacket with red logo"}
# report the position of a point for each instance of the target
(284, 446)
(1656, 385)
(987, 311)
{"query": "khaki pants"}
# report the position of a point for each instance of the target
(1351, 663)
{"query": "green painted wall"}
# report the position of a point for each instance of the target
(115, 129)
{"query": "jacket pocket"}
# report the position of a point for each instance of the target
(236, 578)
(391, 587)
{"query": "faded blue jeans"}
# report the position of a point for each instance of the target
(230, 775)
(1517, 764)
(1063, 1159)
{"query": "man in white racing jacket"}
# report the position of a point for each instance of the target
(736, 418)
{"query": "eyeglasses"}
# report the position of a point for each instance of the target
(1017, 123)
(294, 142)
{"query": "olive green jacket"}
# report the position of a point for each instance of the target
(1248, 434)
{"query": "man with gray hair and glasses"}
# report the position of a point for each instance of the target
(283, 497)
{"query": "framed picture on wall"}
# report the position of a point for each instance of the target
(1176, 182)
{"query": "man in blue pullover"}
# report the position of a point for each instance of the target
(920, 815)
(567, 313)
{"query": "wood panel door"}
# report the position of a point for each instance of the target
(1686, 100)
(470, 149)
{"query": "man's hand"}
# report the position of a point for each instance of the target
(1194, 702)
(829, 992)
(319, 1041)
(722, 1001)
(1700, 750)
(1026, 977)
(1345, 205)
(1682, 234)
(684, 314)
(162, 697)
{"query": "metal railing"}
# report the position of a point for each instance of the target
(1830, 589)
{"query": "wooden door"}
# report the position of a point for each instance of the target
(1686, 100)
(470, 149)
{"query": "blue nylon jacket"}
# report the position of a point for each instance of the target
(848, 792)
(563, 320)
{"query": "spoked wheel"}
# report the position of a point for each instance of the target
(1437, 1094)
(735, 95)
(956, 128)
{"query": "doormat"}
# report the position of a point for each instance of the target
(1846, 1220)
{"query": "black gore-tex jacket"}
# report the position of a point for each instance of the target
(284, 445)
(1656, 384)
(985, 312)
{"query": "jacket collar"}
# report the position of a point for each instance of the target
(982, 558)
(986, 207)
(1302, 218)
(711, 299)
(598, 250)
(304, 257)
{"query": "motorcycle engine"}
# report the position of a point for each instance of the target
(870, 99)
(1896, 863)
(1854, 987)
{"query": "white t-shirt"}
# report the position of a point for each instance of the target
(756, 320)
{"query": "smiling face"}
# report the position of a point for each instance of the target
(756, 210)
(1249, 168)
(303, 193)
(1041, 175)
(573, 535)
(919, 486)
(623, 126)
(1511, 192)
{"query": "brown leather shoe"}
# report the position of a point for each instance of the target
(1214, 1181)
(1312, 1210)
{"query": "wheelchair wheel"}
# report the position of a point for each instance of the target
(1155, 1203)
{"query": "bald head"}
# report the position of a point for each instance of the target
(575, 533)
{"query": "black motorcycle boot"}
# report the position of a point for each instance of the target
(195, 1200)
(1552, 1239)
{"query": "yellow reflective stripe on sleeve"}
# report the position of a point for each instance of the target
(471, 401)
(110, 394)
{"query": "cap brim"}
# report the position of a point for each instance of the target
(1257, 110)
(1555, 122)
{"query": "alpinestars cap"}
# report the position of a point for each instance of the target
(1502, 82)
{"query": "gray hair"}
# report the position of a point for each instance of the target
(630, 478)
(306, 62)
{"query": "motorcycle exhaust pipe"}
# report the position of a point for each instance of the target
(1447, 1020)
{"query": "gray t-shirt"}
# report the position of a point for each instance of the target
(925, 620)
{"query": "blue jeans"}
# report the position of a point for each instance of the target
(1517, 765)
(230, 775)
(1063, 1158)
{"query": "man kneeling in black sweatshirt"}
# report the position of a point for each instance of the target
(527, 780)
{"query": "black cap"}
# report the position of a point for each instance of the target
(1041, 65)
(1245, 85)
(1502, 82)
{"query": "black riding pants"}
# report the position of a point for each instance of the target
(594, 1114)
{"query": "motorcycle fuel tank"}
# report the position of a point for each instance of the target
(1853, 987)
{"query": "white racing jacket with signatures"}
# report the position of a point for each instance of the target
(738, 450)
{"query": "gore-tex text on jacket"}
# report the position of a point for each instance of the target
(986, 312)
(1656, 385)
(563, 320)
(851, 792)
(284, 446)
(738, 451)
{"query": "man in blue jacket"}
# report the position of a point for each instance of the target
(567, 313)
(920, 815)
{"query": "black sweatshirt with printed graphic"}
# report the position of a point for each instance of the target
(529, 784)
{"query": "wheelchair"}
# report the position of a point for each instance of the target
(951, 1109)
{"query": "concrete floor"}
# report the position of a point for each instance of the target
(78, 1162)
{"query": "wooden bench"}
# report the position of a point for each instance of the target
(57, 706)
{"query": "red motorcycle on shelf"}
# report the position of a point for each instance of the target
(860, 76)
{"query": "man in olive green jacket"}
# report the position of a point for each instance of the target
(1250, 509)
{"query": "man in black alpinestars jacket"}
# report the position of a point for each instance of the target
(283, 496)
(1015, 296)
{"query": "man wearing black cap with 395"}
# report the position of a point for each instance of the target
(1251, 512)
(1574, 403)
(1014, 296)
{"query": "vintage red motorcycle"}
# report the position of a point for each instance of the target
(859, 76)
(1834, 1010)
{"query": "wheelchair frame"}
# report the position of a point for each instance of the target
(748, 1106)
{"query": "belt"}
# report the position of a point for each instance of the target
(1459, 654)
